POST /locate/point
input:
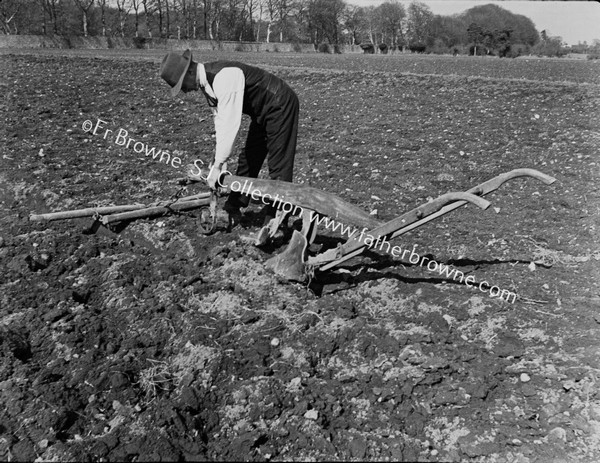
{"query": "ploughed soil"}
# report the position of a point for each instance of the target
(155, 342)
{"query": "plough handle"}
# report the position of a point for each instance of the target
(480, 190)
(353, 248)
(458, 196)
(496, 182)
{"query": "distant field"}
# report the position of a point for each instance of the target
(159, 343)
(568, 70)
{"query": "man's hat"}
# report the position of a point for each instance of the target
(173, 69)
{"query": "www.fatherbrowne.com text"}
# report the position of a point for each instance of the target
(375, 242)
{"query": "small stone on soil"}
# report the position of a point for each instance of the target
(568, 385)
(557, 434)
(311, 415)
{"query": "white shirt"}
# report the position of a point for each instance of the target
(228, 89)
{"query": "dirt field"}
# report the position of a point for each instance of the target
(159, 343)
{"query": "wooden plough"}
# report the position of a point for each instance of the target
(295, 263)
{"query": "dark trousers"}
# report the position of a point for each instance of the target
(274, 140)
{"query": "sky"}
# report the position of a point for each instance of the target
(575, 22)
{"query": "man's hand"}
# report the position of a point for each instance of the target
(213, 176)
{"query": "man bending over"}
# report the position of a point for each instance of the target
(232, 88)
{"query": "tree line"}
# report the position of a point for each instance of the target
(481, 30)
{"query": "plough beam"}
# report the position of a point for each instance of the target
(302, 196)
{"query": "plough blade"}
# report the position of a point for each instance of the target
(290, 263)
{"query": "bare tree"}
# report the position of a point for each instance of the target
(301, 15)
(8, 10)
(102, 4)
(372, 25)
(205, 18)
(392, 14)
(149, 8)
(354, 21)
(419, 23)
(162, 6)
(195, 18)
(189, 13)
(183, 7)
(240, 20)
(159, 8)
(165, 8)
(246, 19)
(168, 17)
(232, 16)
(260, 6)
(52, 9)
(251, 6)
(272, 10)
(84, 6)
(325, 20)
(123, 9)
(284, 7)
(136, 8)
(213, 15)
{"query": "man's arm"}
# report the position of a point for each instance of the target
(228, 87)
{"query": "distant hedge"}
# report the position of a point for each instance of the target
(59, 41)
